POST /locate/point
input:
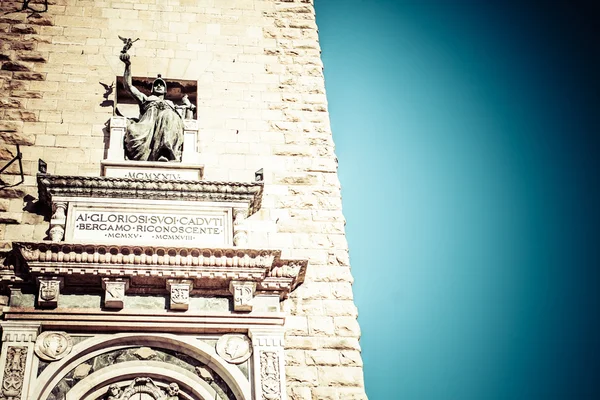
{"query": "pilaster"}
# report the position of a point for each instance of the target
(268, 364)
(17, 361)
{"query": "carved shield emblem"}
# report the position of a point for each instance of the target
(180, 295)
(49, 290)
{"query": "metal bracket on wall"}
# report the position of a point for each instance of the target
(19, 158)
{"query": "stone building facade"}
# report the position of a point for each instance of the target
(263, 311)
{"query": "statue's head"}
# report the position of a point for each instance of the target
(159, 86)
(114, 390)
(173, 389)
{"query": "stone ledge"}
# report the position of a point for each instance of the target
(74, 320)
(209, 267)
(52, 186)
(155, 170)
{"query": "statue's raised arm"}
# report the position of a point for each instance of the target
(128, 81)
(158, 135)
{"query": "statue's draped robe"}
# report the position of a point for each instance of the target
(159, 132)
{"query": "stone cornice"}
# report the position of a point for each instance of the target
(51, 186)
(122, 321)
(263, 266)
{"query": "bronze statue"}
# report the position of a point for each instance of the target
(128, 42)
(158, 135)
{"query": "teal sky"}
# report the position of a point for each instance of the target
(467, 134)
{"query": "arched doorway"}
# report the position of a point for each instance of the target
(143, 381)
(95, 385)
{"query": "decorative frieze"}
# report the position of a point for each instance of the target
(179, 291)
(114, 292)
(143, 385)
(49, 291)
(19, 332)
(51, 187)
(221, 266)
(243, 293)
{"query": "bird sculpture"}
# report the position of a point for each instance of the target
(128, 43)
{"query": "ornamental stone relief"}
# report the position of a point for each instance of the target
(243, 293)
(116, 357)
(269, 375)
(234, 349)
(143, 385)
(52, 346)
(48, 292)
(14, 372)
(180, 293)
(114, 292)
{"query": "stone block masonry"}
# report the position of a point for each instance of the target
(261, 104)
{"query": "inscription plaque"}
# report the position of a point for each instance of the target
(154, 171)
(185, 227)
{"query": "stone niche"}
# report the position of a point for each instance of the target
(176, 88)
(116, 165)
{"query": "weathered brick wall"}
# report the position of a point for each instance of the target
(261, 104)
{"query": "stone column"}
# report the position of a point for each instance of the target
(58, 221)
(268, 364)
(190, 138)
(240, 234)
(18, 366)
(116, 152)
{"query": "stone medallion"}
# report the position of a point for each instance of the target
(234, 349)
(52, 346)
